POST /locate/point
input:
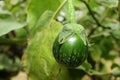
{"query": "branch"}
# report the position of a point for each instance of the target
(93, 16)
(59, 8)
(4, 41)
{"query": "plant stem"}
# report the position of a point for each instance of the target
(4, 41)
(59, 8)
(92, 14)
(71, 12)
(96, 20)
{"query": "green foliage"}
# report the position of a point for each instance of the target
(115, 29)
(12, 20)
(38, 56)
(6, 63)
(96, 52)
(9, 25)
(43, 21)
(30, 27)
(109, 3)
(36, 8)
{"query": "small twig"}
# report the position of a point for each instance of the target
(93, 16)
(92, 31)
(55, 14)
(59, 8)
(4, 41)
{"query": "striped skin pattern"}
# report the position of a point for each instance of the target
(71, 53)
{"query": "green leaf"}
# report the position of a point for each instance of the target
(8, 64)
(106, 45)
(88, 69)
(37, 7)
(9, 25)
(114, 65)
(4, 14)
(93, 4)
(115, 29)
(85, 66)
(109, 3)
(39, 61)
(116, 73)
(43, 21)
(95, 52)
(21, 33)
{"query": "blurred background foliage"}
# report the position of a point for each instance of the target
(25, 28)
